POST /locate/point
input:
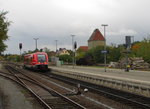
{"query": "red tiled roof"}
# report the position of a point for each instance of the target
(96, 35)
(84, 48)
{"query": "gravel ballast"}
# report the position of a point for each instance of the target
(13, 96)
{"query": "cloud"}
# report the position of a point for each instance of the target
(123, 32)
(51, 20)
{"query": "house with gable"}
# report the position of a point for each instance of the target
(83, 48)
(63, 51)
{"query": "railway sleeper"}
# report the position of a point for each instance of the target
(58, 103)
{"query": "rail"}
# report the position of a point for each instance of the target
(13, 69)
(134, 99)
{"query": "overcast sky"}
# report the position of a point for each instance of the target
(51, 20)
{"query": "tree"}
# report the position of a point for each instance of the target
(114, 53)
(95, 55)
(65, 58)
(4, 24)
(46, 50)
(92, 56)
(13, 58)
(142, 49)
(80, 53)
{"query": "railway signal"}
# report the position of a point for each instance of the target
(20, 46)
(75, 45)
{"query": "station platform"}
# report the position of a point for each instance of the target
(133, 75)
(133, 81)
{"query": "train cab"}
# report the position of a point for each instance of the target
(38, 60)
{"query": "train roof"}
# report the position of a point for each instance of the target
(35, 53)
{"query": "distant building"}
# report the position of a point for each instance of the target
(83, 48)
(96, 39)
(63, 51)
(51, 53)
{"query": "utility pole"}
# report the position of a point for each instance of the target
(56, 45)
(104, 25)
(36, 42)
(73, 57)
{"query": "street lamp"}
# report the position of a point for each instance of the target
(56, 45)
(73, 59)
(36, 42)
(104, 25)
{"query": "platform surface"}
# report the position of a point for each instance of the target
(132, 75)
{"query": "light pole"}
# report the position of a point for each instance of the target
(73, 49)
(56, 45)
(104, 25)
(36, 42)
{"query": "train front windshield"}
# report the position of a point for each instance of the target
(41, 58)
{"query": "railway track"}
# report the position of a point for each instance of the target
(51, 100)
(86, 102)
(133, 100)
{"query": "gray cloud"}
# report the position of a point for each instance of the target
(51, 20)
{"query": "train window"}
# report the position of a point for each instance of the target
(41, 58)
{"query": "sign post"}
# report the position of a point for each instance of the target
(104, 51)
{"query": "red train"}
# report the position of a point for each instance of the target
(36, 61)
